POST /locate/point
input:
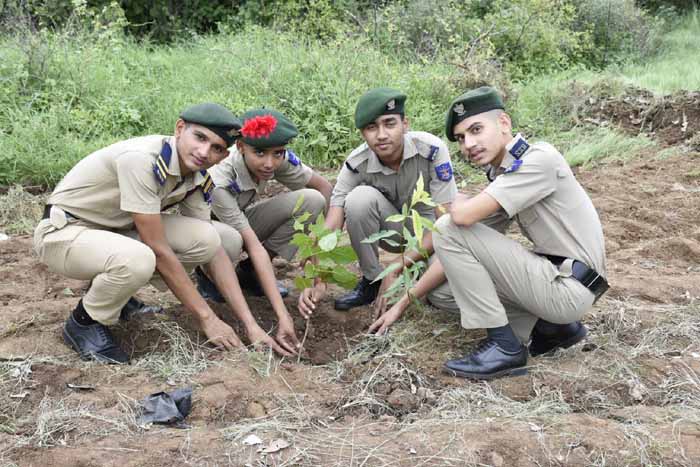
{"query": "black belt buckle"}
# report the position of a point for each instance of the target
(589, 278)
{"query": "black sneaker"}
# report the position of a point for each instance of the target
(206, 288)
(364, 293)
(93, 342)
(136, 307)
(249, 282)
(489, 361)
(565, 336)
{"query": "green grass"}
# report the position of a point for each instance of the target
(65, 96)
(582, 146)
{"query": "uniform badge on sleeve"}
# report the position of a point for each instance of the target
(292, 158)
(444, 171)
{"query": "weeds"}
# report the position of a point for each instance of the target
(20, 211)
(182, 358)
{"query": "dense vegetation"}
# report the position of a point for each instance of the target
(77, 75)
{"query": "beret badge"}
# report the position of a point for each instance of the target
(391, 105)
(459, 109)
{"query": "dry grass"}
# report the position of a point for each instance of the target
(20, 211)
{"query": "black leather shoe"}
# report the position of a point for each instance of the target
(136, 307)
(93, 342)
(248, 280)
(364, 293)
(565, 336)
(489, 361)
(206, 288)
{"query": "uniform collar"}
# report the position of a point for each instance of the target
(375, 165)
(242, 176)
(508, 160)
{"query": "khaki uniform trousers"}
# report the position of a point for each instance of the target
(496, 281)
(116, 262)
(272, 220)
(366, 210)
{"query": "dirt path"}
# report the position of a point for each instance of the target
(630, 396)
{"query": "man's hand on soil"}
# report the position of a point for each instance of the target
(259, 338)
(219, 333)
(286, 335)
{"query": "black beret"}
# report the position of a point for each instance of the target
(216, 118)
(267, 128)
(470, 103)
(377, 102)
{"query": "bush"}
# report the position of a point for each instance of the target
(619, 30)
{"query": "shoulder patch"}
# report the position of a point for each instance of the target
(160, 167)
(347, 164)
(357, 157)
(293, 158)
(519, 148)
(444, 171)
(207, 186)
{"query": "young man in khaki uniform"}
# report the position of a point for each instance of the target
(377, 179)
(267, 226)
(518, 295)
(105, 222)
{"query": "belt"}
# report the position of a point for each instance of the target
(584, 274)
(47, 212)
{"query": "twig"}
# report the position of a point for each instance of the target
(303, 339)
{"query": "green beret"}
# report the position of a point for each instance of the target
(216, 118)
(267, 128)
(471, 103)
(377, 102)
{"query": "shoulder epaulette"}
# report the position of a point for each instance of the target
(520, 147)
(293, 158)
(357, 157)
(160, 167)
(207, 186)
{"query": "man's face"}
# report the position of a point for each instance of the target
(198, 147)
(483, 137)
(261, 163)
(384, 136)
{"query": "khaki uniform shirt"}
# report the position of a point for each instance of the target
(423, 153)
(133, 176)
(540, 191)
(233, 174)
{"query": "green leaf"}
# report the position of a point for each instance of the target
(396, 218)
(328, 242)
(388, 270)
(380, 235)
(391, 242)
(417, 225)
(344, 278)
(301, 220)
(343, 255)
(302, 283)
(297, 205)
(301, 240)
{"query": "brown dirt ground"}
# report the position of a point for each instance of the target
(649, 208)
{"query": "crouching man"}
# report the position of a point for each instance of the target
(105, 223)
(518, 295)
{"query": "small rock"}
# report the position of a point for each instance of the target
(255, 410)
(252, 440)
(496, 459)
(403, 400)
(4, 237)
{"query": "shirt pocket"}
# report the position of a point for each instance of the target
(535, 228)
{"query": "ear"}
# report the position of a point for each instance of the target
(239, 146)
(406, 126)
(505, 123)
(179, 127)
